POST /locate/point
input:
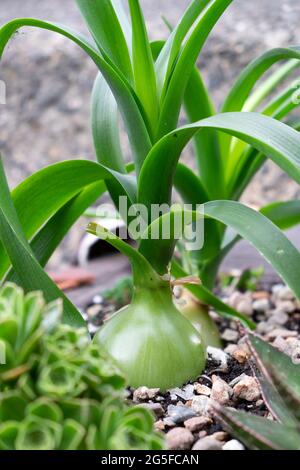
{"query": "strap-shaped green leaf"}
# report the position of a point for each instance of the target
(172, 101)
(103, 23)
(50, 235)
(30, 274)
(143, 65)
(266, 88)
(283, 214)
(251, 74)
(198, 106)
(171, 49)
(249, 224)
(130, 107)
(274, 139)
(259, 433)
(44, 193)
(105, 126)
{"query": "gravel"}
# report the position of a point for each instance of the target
(49, 81)
(185, 413)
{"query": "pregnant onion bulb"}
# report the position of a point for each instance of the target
(150, 340)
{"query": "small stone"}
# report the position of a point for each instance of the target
(220, 436)
(198, 423)
(259, 403)
(261, 305)
(179, 439)
(201, 405)
(233, 445)
(168, 422)
(156, 408)
(159, 425)
(237, 380)
(97, 299)
(207, 443)
(286, 306)
(282, 333)
(93, 311)
(186, 393)
(282, 292)
(144, 393)
(278, 317)
(241, 302)
(260, 294)
(218, 356)
(179, 414)
(221, 391)
(242, 353)
(202, 390)
(264, 328)
(231, 336)
(247, 389)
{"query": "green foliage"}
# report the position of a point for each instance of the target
(121, 294)
(280, 384)
(149, 85)
(245, 281)
(58, 390)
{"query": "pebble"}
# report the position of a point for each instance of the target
(156, 408)
(179, 414)
(187, 393)
(201, 405)
(98, 299)
(241, 302)
(144, 393)
(208, 443)
(231, 336)
(241, 355)
(159, 425)
(220, 436)
(282, 333)
(237, 380)
(93, 311)
(202, 390)
(221, 391)
(179, 439)
(281, 292)
(261, 305)
(219, 356)
(198, 423)
(278, 317)
(169, 423)
(286, 306)
(233, 445)
(247, 389)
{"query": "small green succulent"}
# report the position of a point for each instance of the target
(279, 379)
(57, 389)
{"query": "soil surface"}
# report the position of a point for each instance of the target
(186, 415)
(49, 80)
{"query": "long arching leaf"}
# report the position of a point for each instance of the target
(143, 65)
(30, 274)
(44, 193)
(274, 139)
(171, 104)
(249, 224)
(103, 23)
(130, 108)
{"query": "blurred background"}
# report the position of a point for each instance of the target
(49, 80)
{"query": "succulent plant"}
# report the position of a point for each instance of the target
(279, 379)
(150, 85)
(57, 388)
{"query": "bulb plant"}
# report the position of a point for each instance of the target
(148, 84)
(58, 390)
(279, 380)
